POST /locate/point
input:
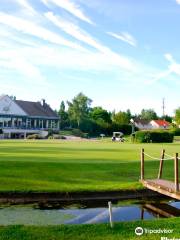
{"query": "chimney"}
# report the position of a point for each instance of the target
(43, 102)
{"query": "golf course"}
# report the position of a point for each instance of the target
(80, 166)
(73, 166)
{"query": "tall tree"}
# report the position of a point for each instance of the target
(122, 117)
(64, 120)
(148, 114)
(79, 108)
(129, 114)
(98, 113)
(167, 118)
(177, 116)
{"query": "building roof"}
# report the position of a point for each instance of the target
(36, 109)
(161, 123)
(141, 121)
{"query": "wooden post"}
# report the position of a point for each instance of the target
(110, 214)
(142, 164)
(176, 173)
(161, 164)
(142, 213)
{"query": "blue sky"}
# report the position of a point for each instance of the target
(121, 53)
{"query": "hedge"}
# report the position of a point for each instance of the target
(176, 131)
(95, 128)
(155, 136)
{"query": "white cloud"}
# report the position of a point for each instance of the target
(33, 29)
(36, 60)
(4, 32)
(6, 36)
(173, 67)
(178, 1)
(71, 7)
(159, 76)
(125, 37)
(73, 30)
(169, 57)
(56, 58)
(11, 60)
(26, 5)
(62, 60)
(83, 36)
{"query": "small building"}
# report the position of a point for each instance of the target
(142, 124)
(160, 124)
(19, 118)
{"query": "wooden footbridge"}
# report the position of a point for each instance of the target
(161, 210)
(168, 188)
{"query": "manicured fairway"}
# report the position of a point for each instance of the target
(76, 166)
(121, 231)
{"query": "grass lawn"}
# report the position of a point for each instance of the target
(53, 165)
(66, 166)
(121, 231)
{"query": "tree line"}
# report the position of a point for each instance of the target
(95, 120)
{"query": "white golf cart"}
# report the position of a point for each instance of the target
(118, 137)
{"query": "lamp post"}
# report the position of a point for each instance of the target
(133, 128)
(132, 124)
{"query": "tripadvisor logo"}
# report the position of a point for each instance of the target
(139, 231)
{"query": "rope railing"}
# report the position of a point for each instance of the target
(162, 159)
(168, 155)
(155, 158)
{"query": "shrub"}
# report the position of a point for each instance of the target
(33, 136)
(91, 127)
(85, 135)
(176, 131)
(77, 132)
(55, 136)
(50, 132)
(155, 136)
(62, 137)
(68, 128)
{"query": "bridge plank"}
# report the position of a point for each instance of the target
(162, 186)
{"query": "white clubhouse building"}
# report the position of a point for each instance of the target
(19, 118)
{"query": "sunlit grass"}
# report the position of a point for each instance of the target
(123, 230)
(54, 165)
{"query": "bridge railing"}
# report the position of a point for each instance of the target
(161, 159)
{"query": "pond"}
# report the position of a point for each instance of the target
(86, 212)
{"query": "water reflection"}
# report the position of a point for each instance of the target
(90, 212)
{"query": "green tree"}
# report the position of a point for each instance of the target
(98, 113)
(122, 117)
(167, 118)
(113, 113)
(129, 114)
(148, 114)
(79, 108)
(177, 116)
(64, 119)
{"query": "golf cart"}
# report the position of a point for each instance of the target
(118, 137)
